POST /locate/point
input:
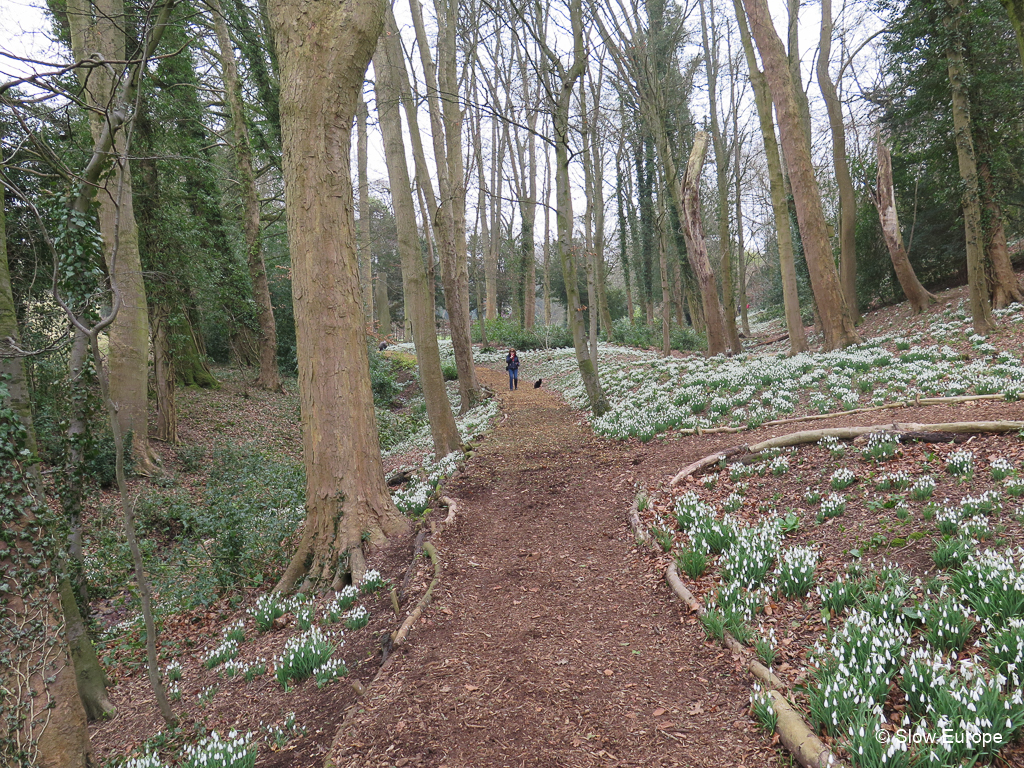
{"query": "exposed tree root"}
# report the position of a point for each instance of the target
(708, 461)
(640, 535)
(400, 635)
(755, 667)
(794, 733)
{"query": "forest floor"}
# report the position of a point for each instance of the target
(552, 638)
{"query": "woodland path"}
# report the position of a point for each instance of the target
(552, 641)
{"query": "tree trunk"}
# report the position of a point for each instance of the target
(449, 219)
(44, 721)
(491, 254)
(99, 27)
(776, 183)
(847, 195)
(1002, 279)
(163, 368)
(365, 247)
(837, 322)
(884, 198)
(382, 303)
(324, 49)
(269, 377)
(981, 311)
(563, 196)
(721, 177)
(547, 242)
(414, 276)
(696, 248)
(666, 293)
(68, 739)
(741, 256)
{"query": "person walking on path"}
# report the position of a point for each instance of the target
(512, 366)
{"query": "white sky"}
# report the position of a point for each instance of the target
(26, 33)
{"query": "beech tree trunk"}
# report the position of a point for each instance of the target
(324, 49)
(163, 368)
(884, 198)
(99, 27)
(269, 377)
(981, 310)
(696, 247)
(777, 187)
(847, 195)
(382, 303)
(1004, 288)
(837, 322)
(443, 429)
(709, 38)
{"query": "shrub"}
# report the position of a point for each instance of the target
(502, 332)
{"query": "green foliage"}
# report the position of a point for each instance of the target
(918, 117)
(450, 371)
(649, 336)
(383, 379)
(235, 534)
(502, 332)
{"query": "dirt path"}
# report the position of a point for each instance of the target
(552, 641)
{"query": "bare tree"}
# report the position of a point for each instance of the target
(837, 322)
(884, 198)
(847, 195)
(777, 186)
(387, 59)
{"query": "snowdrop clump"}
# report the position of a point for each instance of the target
(236, 751)
(795, 572)
(228, 649)
(842, 478)
(960, 463)
(303, 654)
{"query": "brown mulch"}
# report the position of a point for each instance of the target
(551, 641)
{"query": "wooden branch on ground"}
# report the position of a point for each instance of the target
(755, 667)
(848, 433)
(453, 510)
(798, 738)
(901, 404)
(399, 637)
(708, 461)
(793, 732)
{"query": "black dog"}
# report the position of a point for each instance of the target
(537, 383)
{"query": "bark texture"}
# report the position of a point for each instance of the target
(1015, 10)
(884, 198)
(777, 187)
(324, 49)
(837, 322)
(847, 195)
